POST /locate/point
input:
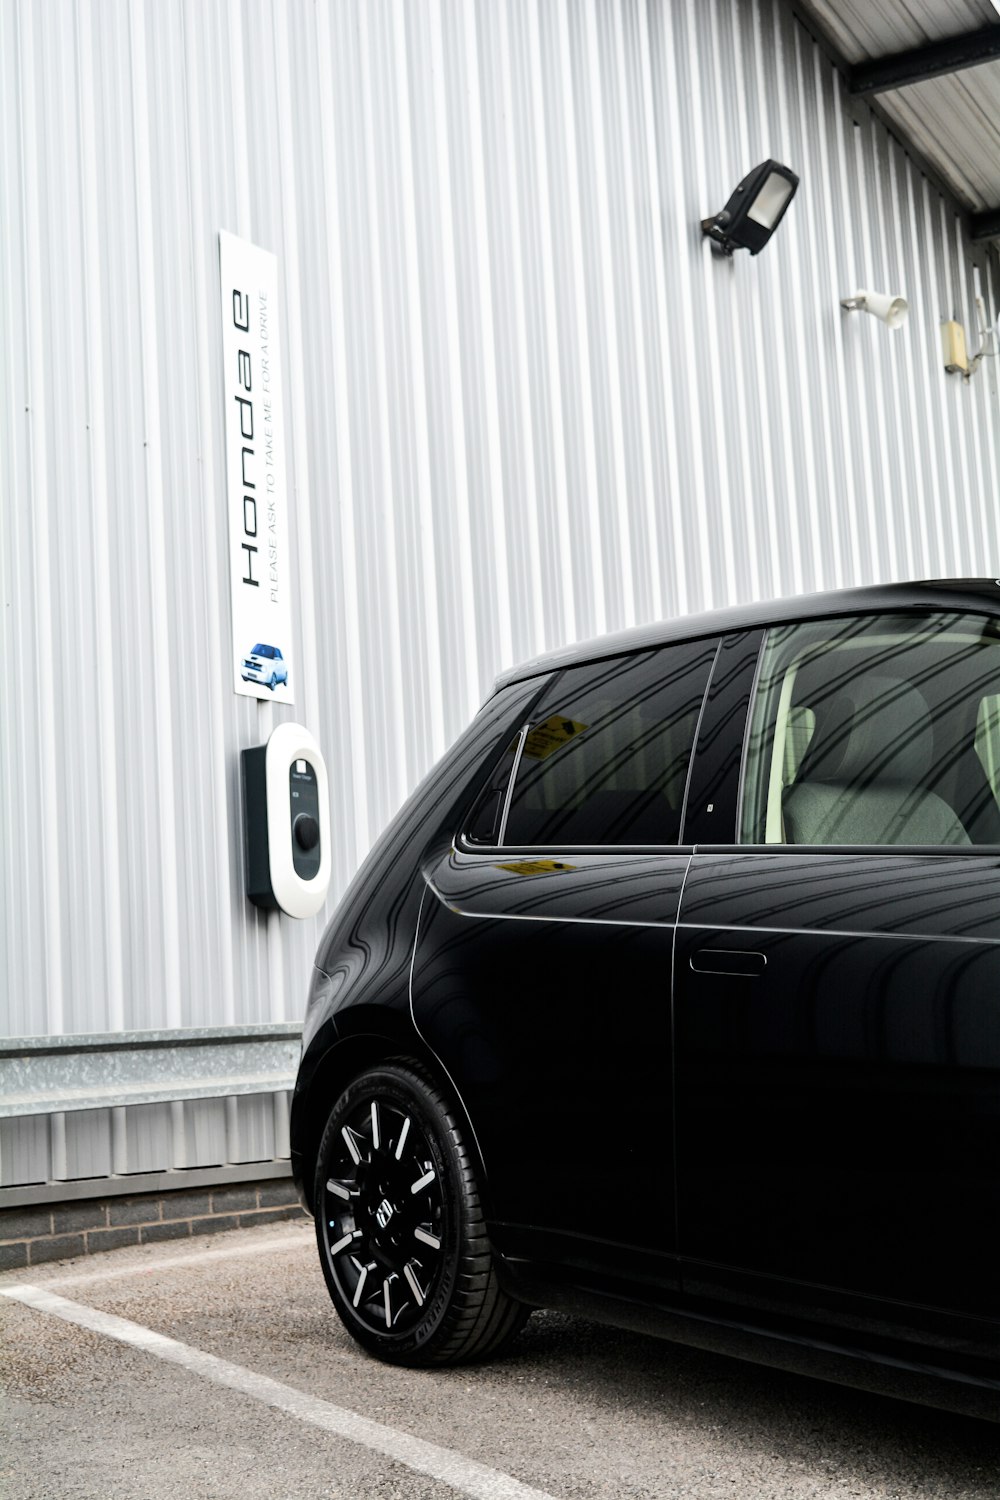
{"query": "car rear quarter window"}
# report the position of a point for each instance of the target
(484, 823)
(876, 730)
(604, 760)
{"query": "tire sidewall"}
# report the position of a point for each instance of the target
(404, 1088)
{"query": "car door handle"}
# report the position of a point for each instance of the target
(742, 962)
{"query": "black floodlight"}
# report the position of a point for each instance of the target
(754, 211)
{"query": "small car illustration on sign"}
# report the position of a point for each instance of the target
(265, 664)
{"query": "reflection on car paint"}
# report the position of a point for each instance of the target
(800, 1139)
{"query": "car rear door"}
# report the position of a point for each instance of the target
(837, 998)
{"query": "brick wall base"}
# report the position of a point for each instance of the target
(57, 1231)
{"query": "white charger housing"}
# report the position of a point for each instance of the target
(286, 822)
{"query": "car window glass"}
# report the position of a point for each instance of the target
(605, 758)
(988, 740)
(484, 822)
(876, 730)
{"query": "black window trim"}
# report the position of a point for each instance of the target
(745, 751)
(706, 695)
(718, 687)
(884, 851)
(509, 794)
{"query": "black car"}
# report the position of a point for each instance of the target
(672, 997)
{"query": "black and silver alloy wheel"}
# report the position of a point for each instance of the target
(383, 1215)
(400, 1228)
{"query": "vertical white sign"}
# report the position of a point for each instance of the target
(259, 561)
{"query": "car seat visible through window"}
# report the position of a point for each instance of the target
(863, 778)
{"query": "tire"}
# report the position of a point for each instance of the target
(272, 683)
(400, 1228)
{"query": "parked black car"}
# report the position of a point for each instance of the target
(672, 997)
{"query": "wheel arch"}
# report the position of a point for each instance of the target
(346, 1059)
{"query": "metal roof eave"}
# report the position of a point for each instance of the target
(814, 15)
(932, 60)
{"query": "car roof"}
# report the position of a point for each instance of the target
(977, 595)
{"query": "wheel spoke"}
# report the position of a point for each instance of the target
(423, 1182)
(340, 1189)
(413, 1283)
(348, 1239)
(426, 1238)
(351, 1142)
(387, 1298)
(376, 1131)
(402, 1138)
(361, 1281)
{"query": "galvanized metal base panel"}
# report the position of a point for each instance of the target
(148, 1138)
(152, 1182)
(78, 1073)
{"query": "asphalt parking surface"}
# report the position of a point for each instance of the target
(576, 1409)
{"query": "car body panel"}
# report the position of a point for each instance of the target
(838, 1111)
(535, 986)
(976, 595)
(363, 961)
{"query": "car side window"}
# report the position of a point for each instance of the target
(605, 759)
(485, 822)
(876, 730)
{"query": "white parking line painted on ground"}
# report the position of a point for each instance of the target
(197, 1258)
(463, 1474)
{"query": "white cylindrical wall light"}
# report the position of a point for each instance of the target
(888, 307)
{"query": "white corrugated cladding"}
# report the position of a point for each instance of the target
(525, 405)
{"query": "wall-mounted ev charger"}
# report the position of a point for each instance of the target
(286, 822)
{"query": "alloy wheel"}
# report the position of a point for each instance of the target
(384, 1216)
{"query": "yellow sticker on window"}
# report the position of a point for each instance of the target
(550, 736)
(536, 866)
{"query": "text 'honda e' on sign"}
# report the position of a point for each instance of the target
(259, 562)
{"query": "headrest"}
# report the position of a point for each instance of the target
(876, 729)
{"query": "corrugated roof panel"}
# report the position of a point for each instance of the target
(955, 123)
(951, 120)
(863, 29)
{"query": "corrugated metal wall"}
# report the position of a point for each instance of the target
(525, 403)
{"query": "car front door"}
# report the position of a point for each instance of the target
(837, 995)
(541, 975)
